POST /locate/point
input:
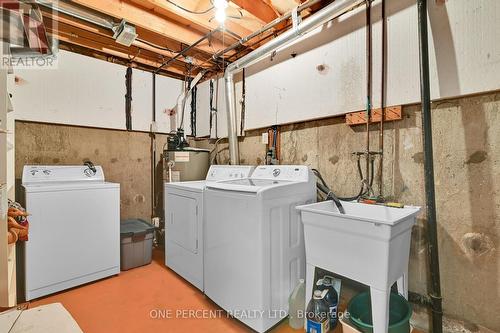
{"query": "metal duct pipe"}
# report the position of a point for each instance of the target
(331, 11)
(74, 11)
(430, 196)
(266, 27)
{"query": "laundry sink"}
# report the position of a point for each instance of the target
(369, 244)
(367, 241)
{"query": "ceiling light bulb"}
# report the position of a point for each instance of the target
(220, 15)
(220, 4)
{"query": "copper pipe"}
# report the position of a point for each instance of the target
(368, 86)
(382, 103)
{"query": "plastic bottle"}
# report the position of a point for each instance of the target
(326, 283)
(317, 313)
(296, 306)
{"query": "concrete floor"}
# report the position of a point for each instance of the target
(126, 303)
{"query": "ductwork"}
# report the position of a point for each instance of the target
(77, 12)
(331, 11)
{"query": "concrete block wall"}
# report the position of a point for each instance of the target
(467, 170)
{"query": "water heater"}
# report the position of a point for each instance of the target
(186, 164)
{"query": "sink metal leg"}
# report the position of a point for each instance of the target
(402, 284)
(380, 309)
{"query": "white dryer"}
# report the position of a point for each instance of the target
(74, 235)
(184, 221)
(254, 242)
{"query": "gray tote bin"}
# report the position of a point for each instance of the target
(136, 243)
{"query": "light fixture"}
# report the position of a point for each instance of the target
(220, 10)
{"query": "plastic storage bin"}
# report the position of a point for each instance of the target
(136, 243)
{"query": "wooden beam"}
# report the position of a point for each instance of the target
(262, 9)
(96, 46)
(100, 31)
(204, 21)
(73, 35)
(131, 13)
(391, 113)
(174, 45)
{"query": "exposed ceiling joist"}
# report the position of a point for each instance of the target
(151, 21)
(100, 31)
(83, 38)
(205, 21)
(262, 9)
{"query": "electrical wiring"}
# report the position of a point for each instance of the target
(159, 47)
(189, 10)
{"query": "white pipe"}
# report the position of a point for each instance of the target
(331, 11)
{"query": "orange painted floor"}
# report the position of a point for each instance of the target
(125, 303)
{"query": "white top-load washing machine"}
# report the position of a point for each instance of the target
(184, 221)
(254, 242)
(74, 235)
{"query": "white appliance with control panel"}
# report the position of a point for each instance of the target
(254, 242)
(184, 221)
(74, 235)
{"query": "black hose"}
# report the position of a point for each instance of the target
(318, 175)
(372, 165)
(327, 189)
(331, 196)
(360, 170)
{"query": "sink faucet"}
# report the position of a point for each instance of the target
(333, 197)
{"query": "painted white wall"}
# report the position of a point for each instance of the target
(142, 100)
(84, 91)
(203, 109)
(464, 59)
(167, 92)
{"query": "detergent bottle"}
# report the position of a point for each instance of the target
(318, 313)
(327, 283)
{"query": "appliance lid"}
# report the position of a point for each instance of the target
(57, 174)
(68, 186)
(247, 184)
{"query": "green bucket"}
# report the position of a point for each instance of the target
(360, 311)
